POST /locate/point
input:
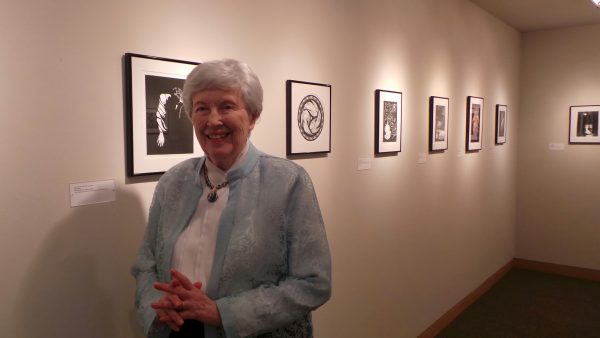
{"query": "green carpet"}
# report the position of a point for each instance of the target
(532, 304)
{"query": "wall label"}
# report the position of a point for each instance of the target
(364, 164)
(94, 192)
(556, 146)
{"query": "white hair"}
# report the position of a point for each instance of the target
(227, 74)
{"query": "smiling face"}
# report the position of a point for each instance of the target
(222, 125)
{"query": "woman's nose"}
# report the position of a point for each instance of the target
(214, 118)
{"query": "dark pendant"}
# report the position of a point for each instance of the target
(212, 196)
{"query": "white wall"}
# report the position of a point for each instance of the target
(408, 240)
(558, 190)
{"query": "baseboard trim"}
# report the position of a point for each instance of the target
(558, 269)
(457, 309)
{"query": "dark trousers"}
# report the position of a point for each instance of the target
(189, 329)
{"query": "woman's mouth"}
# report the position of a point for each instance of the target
(219, 136)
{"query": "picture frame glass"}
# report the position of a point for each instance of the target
(474, 123)
(308, 117)
(160, 134)
(438, 118)
(501, 123)
(388, 120)
(584, 124)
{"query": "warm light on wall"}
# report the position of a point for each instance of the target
(596, 2)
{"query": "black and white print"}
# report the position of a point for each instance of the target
(390, 121)
(440, 126)
(475, 123)
(168, 129)
(501, 123)
(587, 123)
(311, 117)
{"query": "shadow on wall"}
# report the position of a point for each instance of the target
(79, 283)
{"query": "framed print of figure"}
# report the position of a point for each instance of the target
(438, 123)
(159, 133)
(474, 123)
(583, 125)
(501, 123)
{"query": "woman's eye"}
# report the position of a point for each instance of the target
(202, 110)
(228, 107)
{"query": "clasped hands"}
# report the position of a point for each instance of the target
(183, 300)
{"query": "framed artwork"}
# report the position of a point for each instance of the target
(474, 123)
(583, 125)
(308, 117)
(501, 123)
(388, 121)
(159, 133)
(439, 109)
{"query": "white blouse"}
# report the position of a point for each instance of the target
(195, 248)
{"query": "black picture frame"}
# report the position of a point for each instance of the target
(584, 124)
(474, 130)
(501, 123)
(439, 112)
(308, 120)
(388, 121)
(158, 131)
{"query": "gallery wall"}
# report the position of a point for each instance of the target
(409, 237)
(558, 182)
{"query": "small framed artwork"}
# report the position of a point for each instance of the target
(583, 125)
(439, 108)
(308, 117)
(159, 133)
(388, 121)
(501, 123)
(474, 123)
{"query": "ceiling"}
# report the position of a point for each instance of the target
(531, 15)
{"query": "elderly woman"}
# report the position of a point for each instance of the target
(235, 244)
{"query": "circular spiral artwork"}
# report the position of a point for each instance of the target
(311, 117)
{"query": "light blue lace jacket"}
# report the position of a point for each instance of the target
(272, 265)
